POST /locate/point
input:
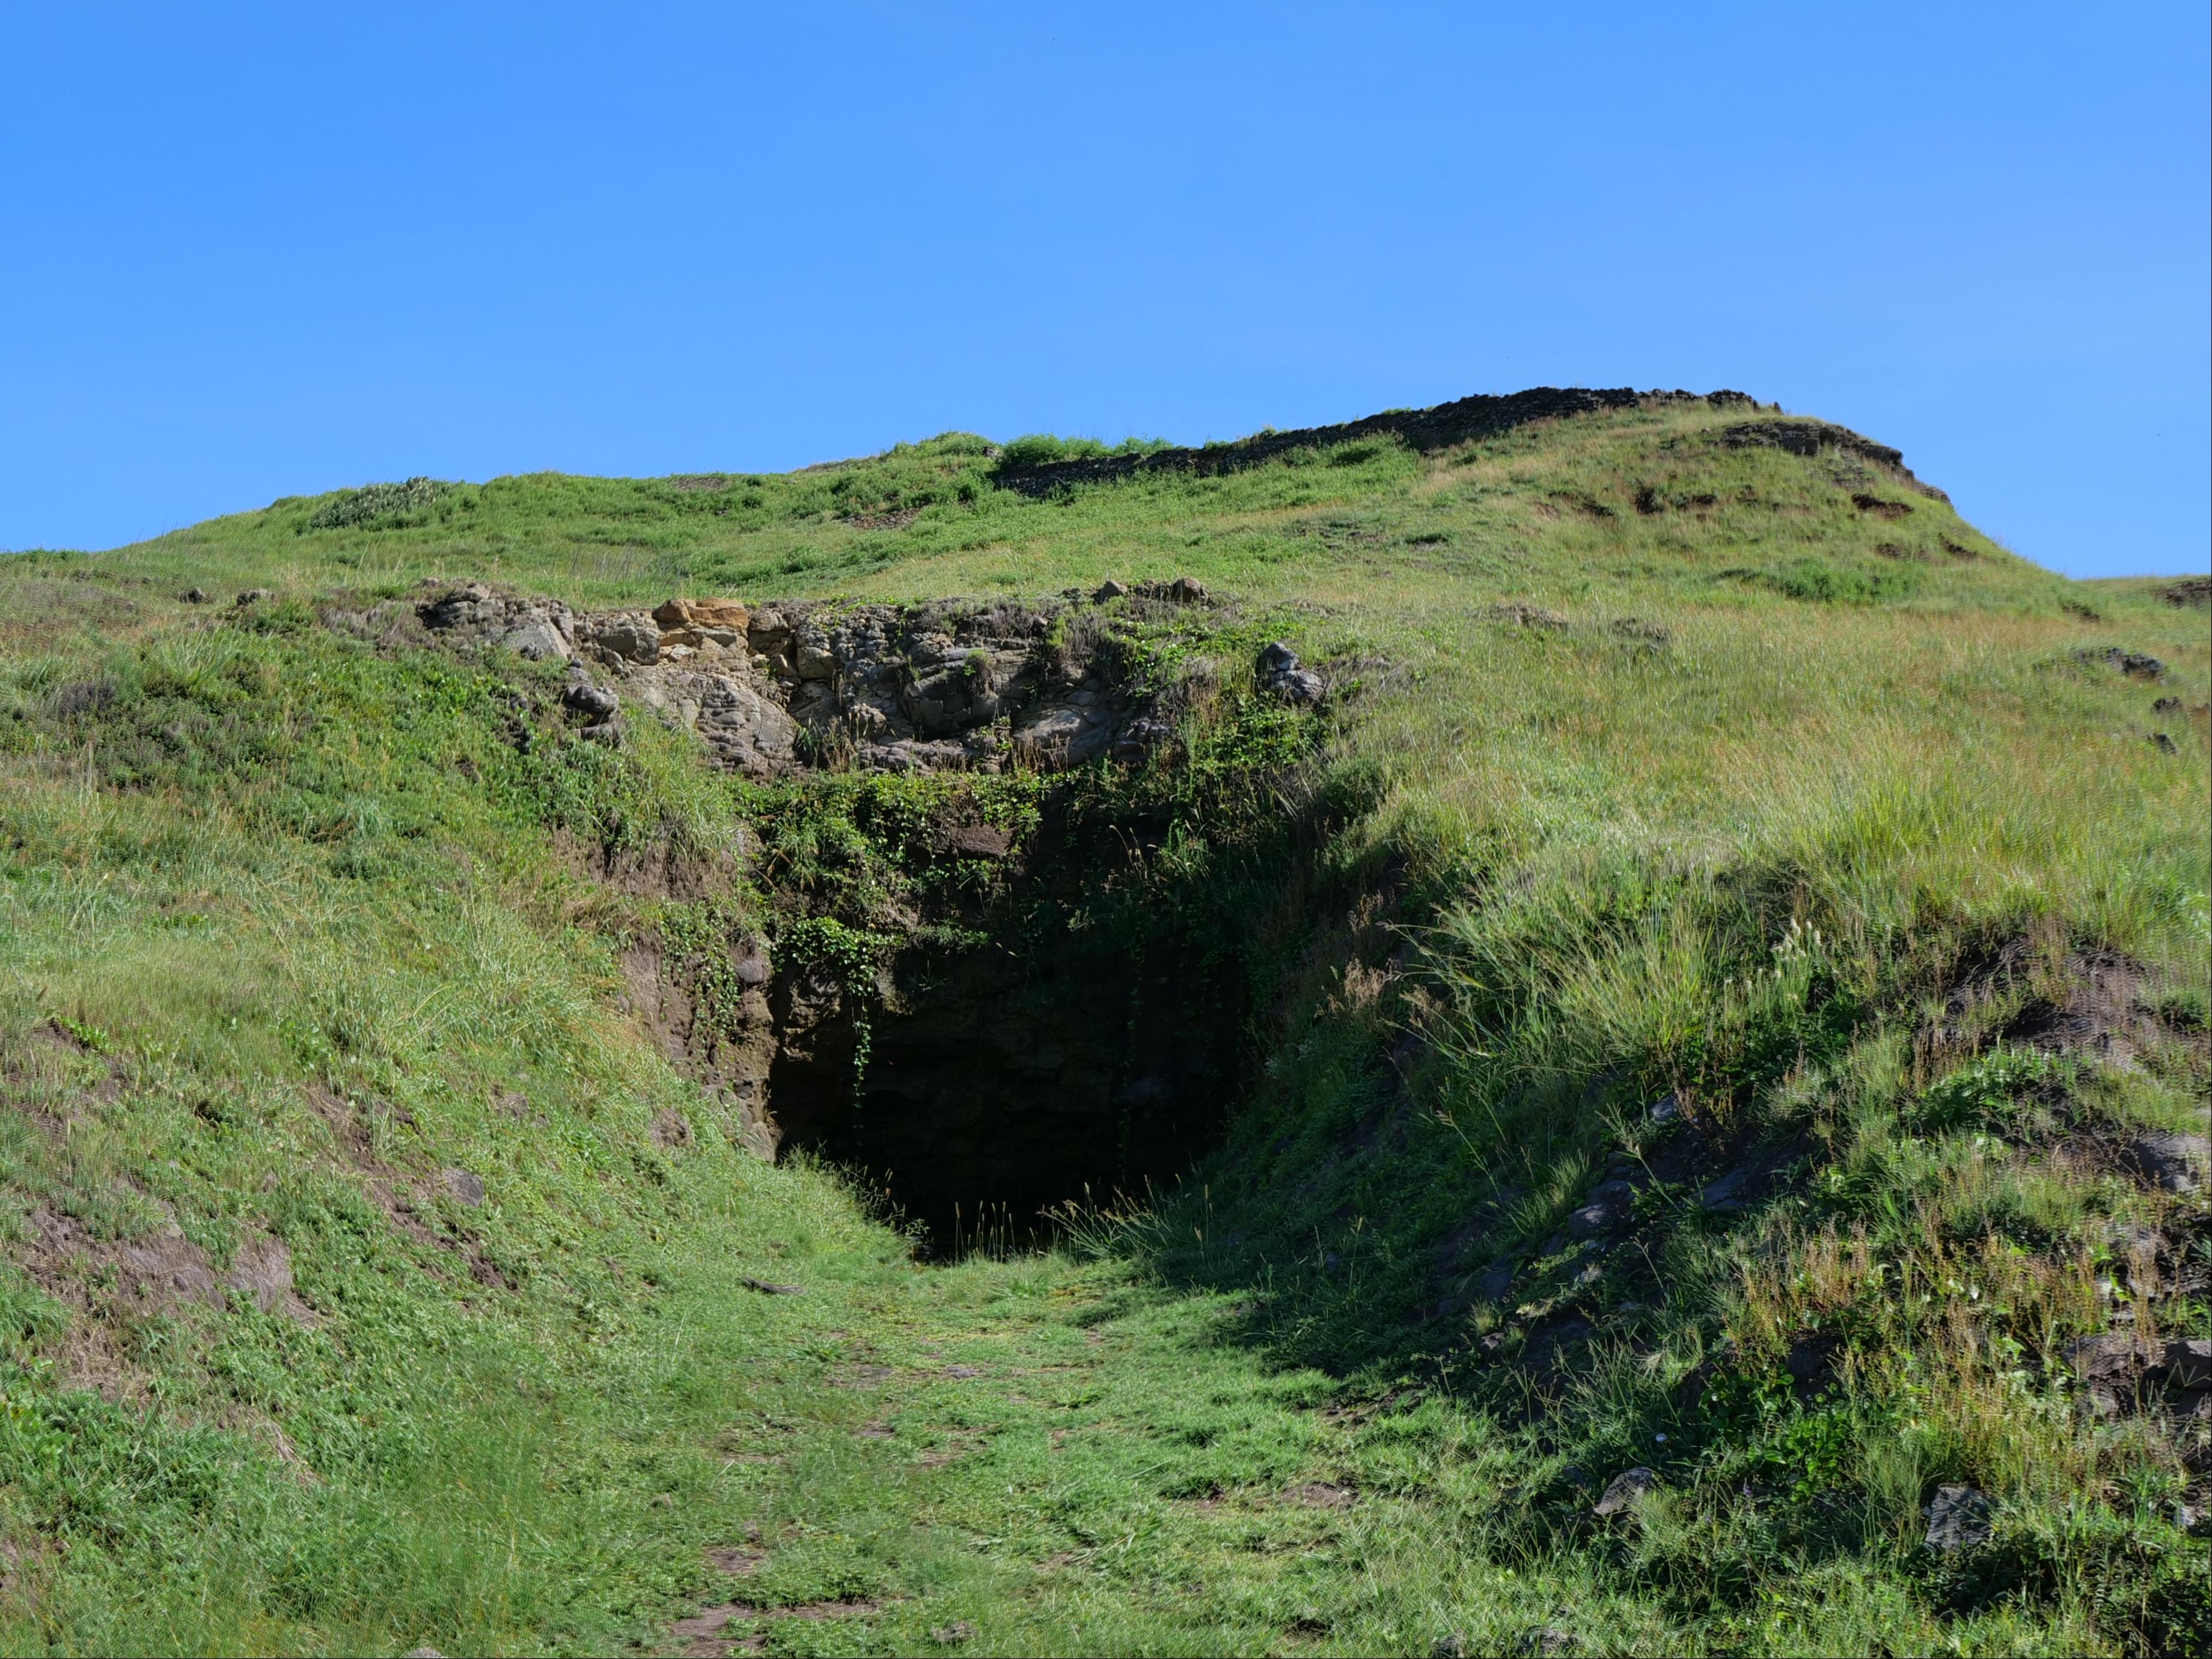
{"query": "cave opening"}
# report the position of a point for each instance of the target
(997, 1085)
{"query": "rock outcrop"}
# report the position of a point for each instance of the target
(884, 688)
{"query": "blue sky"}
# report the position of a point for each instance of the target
(251, 251)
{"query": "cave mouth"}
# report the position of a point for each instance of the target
(996, 1088)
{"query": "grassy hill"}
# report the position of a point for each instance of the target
(1717, 988)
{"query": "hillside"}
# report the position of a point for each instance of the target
(1573, 1023)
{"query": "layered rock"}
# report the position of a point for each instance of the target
(883, 688)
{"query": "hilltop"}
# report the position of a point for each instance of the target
(1574, 1022)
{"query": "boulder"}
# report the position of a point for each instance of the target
(2189, 1363)
(980, 840)
(1141, 738)
(949, 700)
(745, 729)
(1626, 1492)
(1280, 673)
(730, 616)
(455, 607)
(1958, 1519)
(2112, 1369)
(1054, 735)
(2177, 1162)
(769, 632)
(624, 637)
(593, 703)
(1727, 1195)
(1593, 1220)
(536, 637)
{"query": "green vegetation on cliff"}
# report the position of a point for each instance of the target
(1717, 990)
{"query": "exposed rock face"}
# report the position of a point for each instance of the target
(2178, 1162)
(2122, 1374)
(528, 626)
(966, 1073)
(747, 730)
(885, 688)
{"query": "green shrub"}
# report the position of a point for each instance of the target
(377, 505)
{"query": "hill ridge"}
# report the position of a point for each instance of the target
(1438, 426)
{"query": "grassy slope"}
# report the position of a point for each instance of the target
(302, 966)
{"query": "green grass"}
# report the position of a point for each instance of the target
(1679, 772)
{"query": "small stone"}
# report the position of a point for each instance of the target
(1185, 590)
(2163, 706)
(1299, 685)
(1278, 659)
(1958, 1519)
(466, 1188)
(253, 596)
(952, 1635)
(1108, 589)
(1546, 1642)
(195, 596)
(1666, 1110)
(1625, 1492)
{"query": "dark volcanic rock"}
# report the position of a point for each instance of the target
(1958, 1519)
(2177, 1162)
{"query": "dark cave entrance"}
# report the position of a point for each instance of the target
(996, 1086)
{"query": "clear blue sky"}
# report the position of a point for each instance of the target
(251, 251)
